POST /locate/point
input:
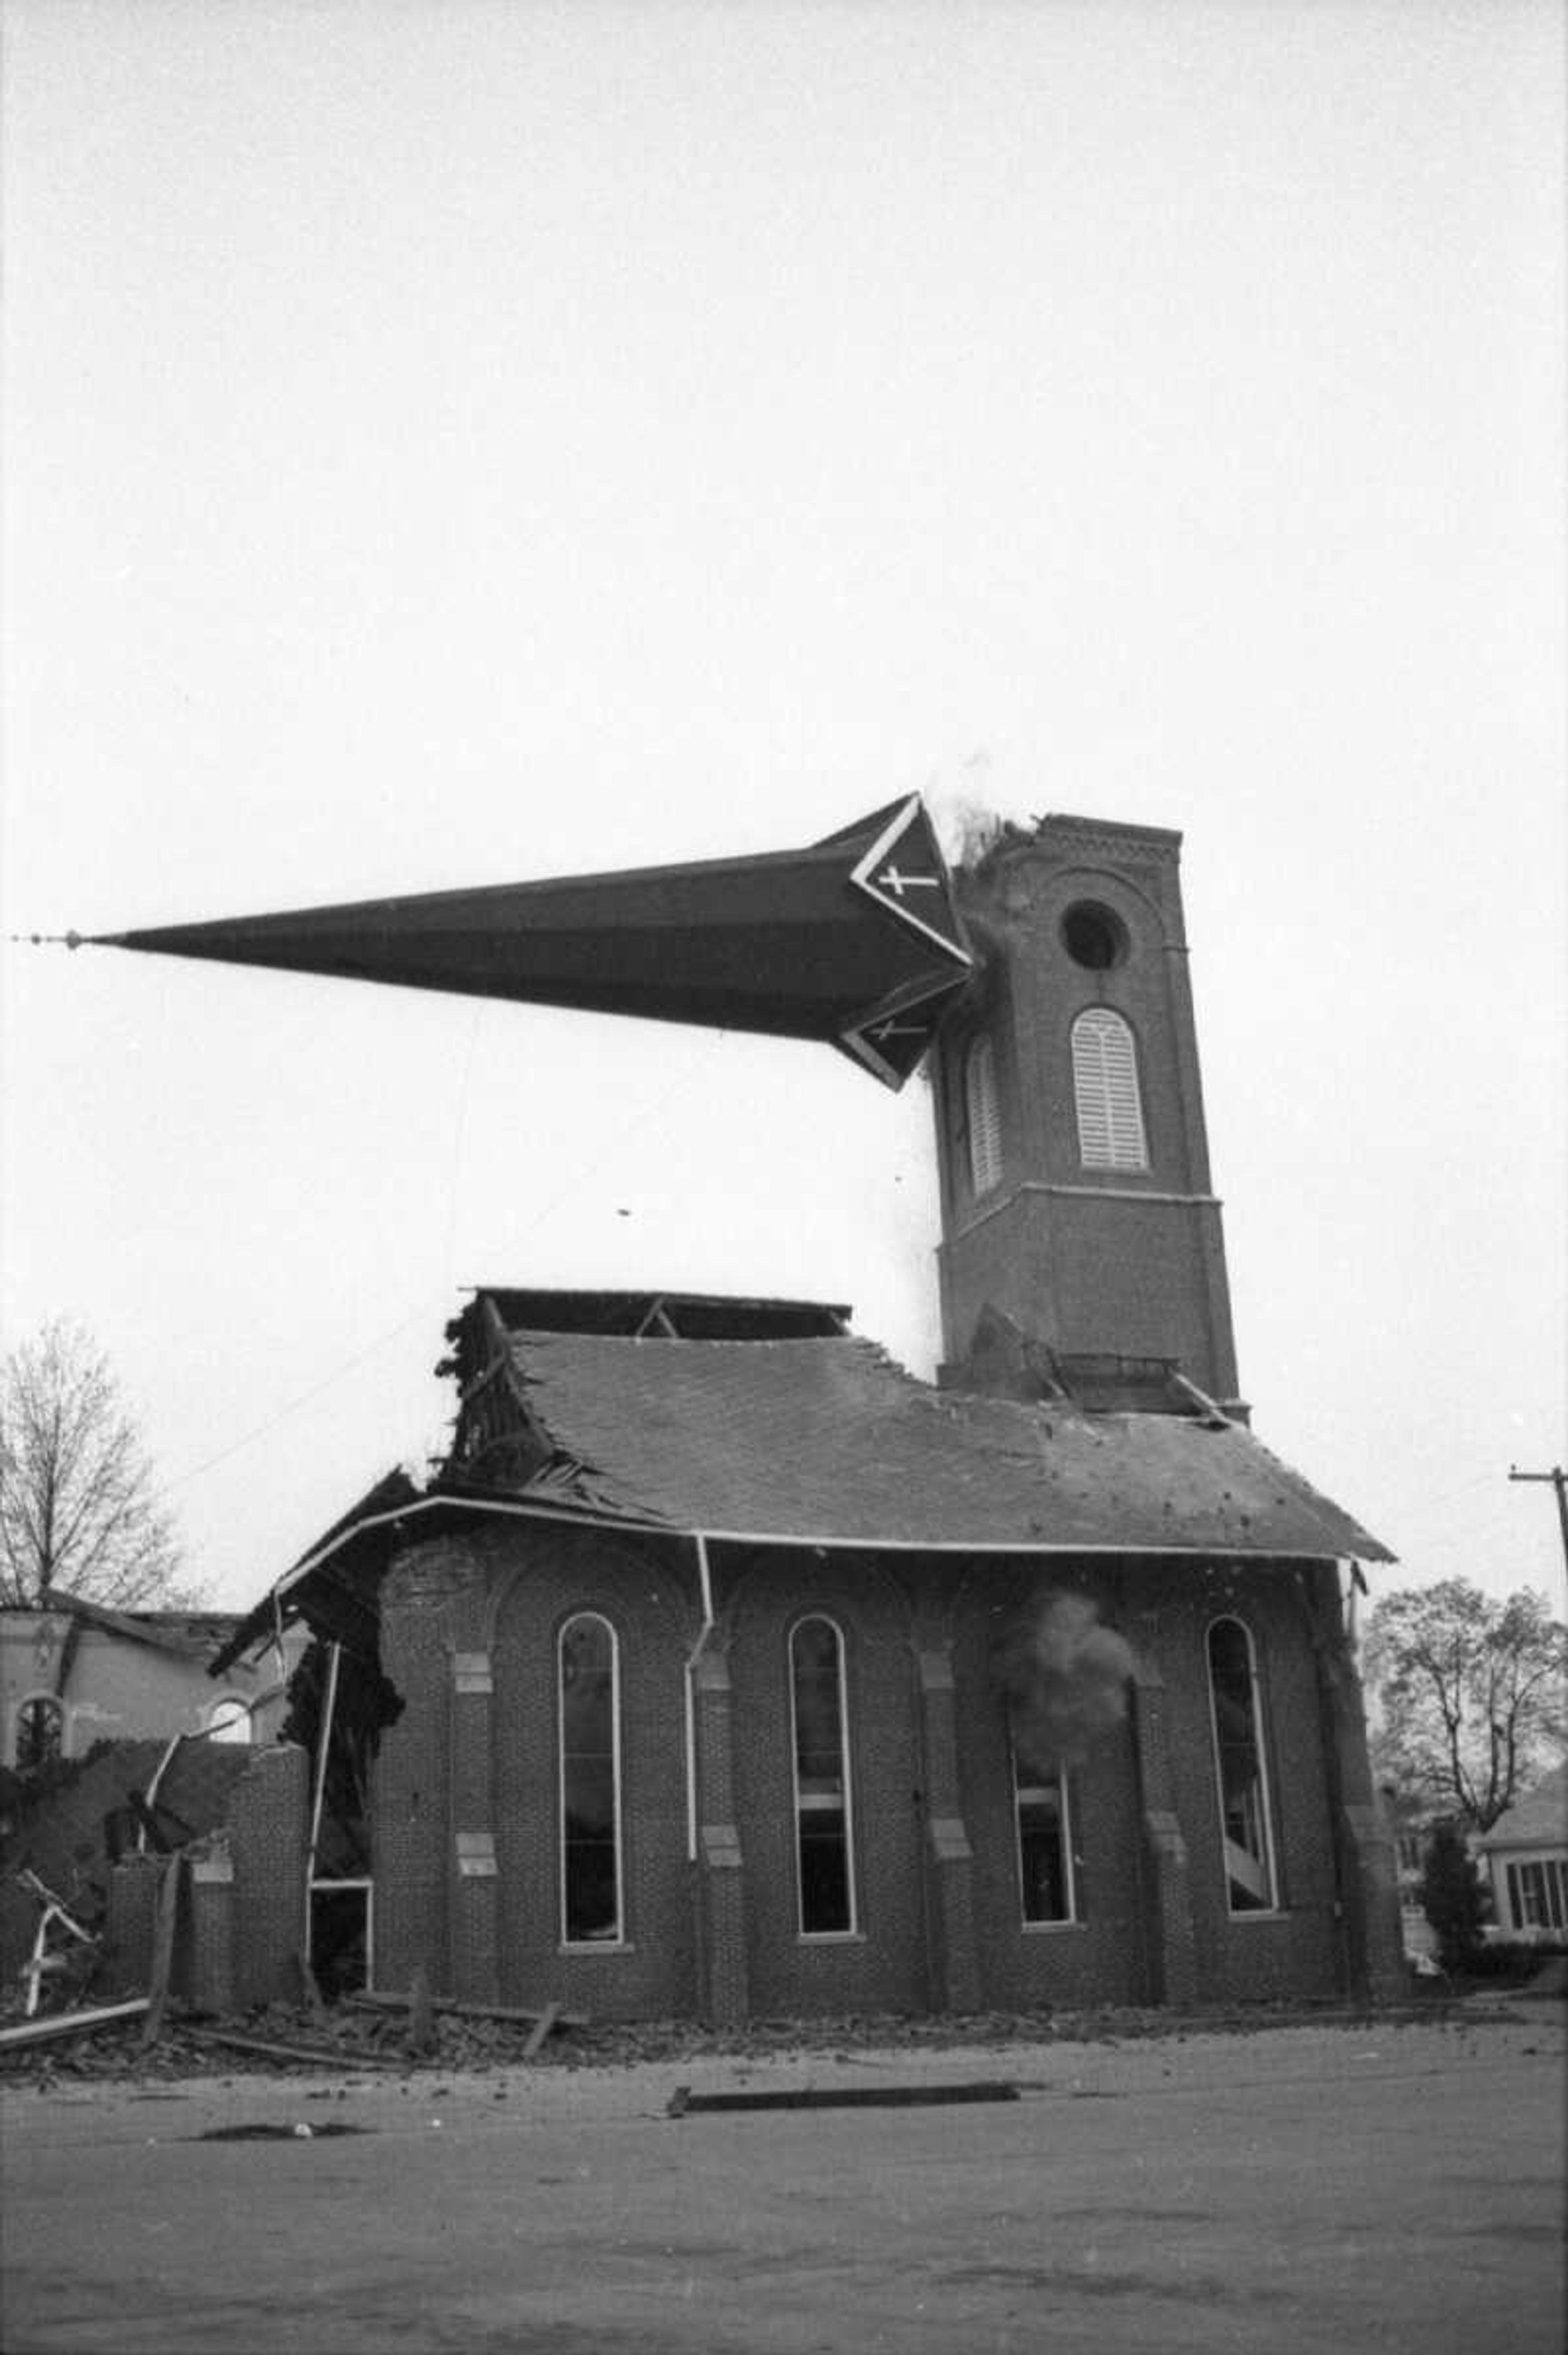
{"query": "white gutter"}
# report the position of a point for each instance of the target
(864, 1542)
(705, 1583)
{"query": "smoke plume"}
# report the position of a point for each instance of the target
(1064, 1678)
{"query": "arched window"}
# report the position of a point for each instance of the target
(229, 1720)
(1106, 1091)
(824, 1835)
(1044, 1841)
(589, 1722)
(1238, 1770)
(40, 1731)
(980, 1112)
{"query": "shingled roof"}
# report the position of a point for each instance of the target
(828, 1441)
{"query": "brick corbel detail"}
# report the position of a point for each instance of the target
(955, 1961)
(474, 1930)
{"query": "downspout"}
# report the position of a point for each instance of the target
(705, 1582)
(278, 1637)
(324, 1743)
(151, 1795)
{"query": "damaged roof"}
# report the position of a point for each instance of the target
(819, 1440)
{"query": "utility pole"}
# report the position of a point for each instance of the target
(1559, 1479)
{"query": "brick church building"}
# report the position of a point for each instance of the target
(724, 1669)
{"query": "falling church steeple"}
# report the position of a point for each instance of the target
(1050, 977)
(852, 940)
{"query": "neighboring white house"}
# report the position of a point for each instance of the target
(1525, 1856)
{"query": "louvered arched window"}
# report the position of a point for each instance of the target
(980, 1111)
(1106, 1091)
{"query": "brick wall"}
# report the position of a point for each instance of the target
(467, 1837)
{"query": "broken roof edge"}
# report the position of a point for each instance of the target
(380, 1503)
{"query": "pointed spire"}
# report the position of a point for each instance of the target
(854, 941)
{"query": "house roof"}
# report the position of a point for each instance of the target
(1538, 1820)
(188, 1635)
(828, 1440)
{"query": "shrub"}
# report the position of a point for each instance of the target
(1452, 1898)
(1513, 1960)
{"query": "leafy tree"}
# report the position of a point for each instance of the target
(78, 1508)
(1471, 1695)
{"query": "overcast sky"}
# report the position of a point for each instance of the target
(447, 444)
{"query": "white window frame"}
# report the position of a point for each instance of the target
(1107, 1091)
(1057, 1782)
(805, 1802)
(1547, 1893)
(217, 1722)
(569, 1944)
(1260, 1751)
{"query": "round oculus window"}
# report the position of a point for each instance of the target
(1093, 936)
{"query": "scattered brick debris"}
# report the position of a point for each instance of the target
(358, 2036)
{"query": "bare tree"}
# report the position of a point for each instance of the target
(1470, 1692)
(78, 1507)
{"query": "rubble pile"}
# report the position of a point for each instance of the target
(349, 2037)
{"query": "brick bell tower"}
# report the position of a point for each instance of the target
(1073, 1162)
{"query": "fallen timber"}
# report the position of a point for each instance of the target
(71, 2023)
(319, 2056)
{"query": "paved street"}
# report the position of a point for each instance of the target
(1283, 2193)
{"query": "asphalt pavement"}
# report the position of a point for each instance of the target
(1293, 2191)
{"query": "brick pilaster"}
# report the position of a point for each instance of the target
(948, 1863)
(414, 1833)
(720, 1866)
(269, 1836)
(212, 1982)
(1365, 1866)
(1172, 1940)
